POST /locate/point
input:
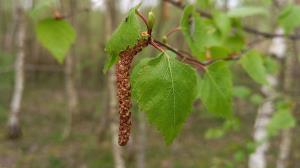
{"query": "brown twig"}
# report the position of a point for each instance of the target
(83, 10)
(144, 19)
(237, 56)
(155, 45)
(58, 15)
(197, 64)
(185, 56)
(172, 31)
(247, 29)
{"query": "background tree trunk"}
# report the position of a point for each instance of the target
(116, 149)
(286, 135)
(265, 112)
(14, 128)
(140, 140)
(70, 78)
(284, 149)
(111, 22)
(13, 26)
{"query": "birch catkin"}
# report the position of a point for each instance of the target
(124, 90)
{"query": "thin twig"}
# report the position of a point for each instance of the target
(186, 53)
(172, 31)
(189, 60)
(58, 15)
(83, 10)
(155, 45)
(144, 19)
(247, 29)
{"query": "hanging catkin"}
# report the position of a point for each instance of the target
(124, 90)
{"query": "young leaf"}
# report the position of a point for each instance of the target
(42, 9)
(234, 42)
(219, 52)
(222, 22)
(57, 36)
(241, 91)
(272, 65)
(215, 89)
(256, 99)
(282, 119)
(200, 34)
(253, 65)
(214, 133)
(165, 89)
(127, 34)
(205, 4)
(289, 18)
(246, 11)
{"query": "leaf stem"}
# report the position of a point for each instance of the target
(189, 60)
(155, 45)
(144, 19)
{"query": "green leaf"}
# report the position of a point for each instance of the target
(151, 19)
(127, 34)
(231, 124)
(42, 8)
(187, 31)
(165, 89)
(253, 65)
(219, 52)
(57, 36)
(241, 91)
(214, 133)
(235, 42)
(246, 11)
(205, 4)
(222, 22)
(200, 34)
(256, 99)
(282, 119)
(239, 156)
(215, 89)
(289, 17)
(272, 65)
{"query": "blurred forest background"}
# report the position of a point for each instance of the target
(59, 115)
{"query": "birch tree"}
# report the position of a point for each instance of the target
(13, 26)
(70, 78)
(14, 128)
(265, 111)
(111, 17)
(141, 141)
(286, 134)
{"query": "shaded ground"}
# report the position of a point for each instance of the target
(43, 120)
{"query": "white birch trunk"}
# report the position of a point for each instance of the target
(286, 134)
(70, 80)
(141, 141)
(258, 158)
(284, 149)
(13, 27)
(117, 150)
(14, 129)
(113, 106)
(260, 135)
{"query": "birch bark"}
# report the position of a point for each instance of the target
(265, 111)
(70, 79)
(14, 128)
(286, 134)
(111, 20)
